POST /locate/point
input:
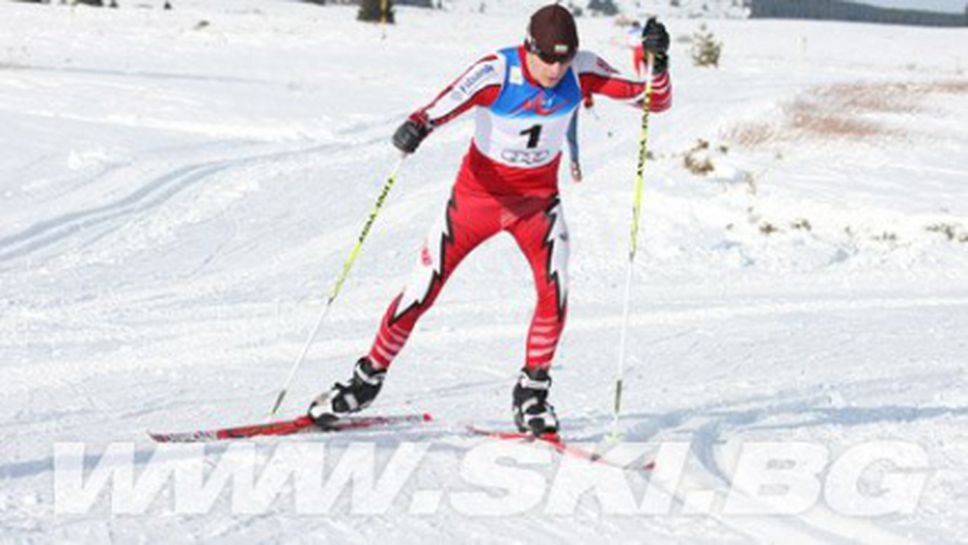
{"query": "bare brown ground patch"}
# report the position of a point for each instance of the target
(821, 120)
(870, 97)
(751, 135)
(953, 87)
(842, 111)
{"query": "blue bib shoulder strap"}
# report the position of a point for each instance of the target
(521, 98)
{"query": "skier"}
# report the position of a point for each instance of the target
(525, 97)
(633, 38)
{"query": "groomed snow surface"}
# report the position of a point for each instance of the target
(179, 189)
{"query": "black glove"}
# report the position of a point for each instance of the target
(409, 136)
(655, 40)
(655, 37)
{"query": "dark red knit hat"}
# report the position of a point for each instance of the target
(552, 32)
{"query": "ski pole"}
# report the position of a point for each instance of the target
(338, 284)
(633, 241)
(384, 8)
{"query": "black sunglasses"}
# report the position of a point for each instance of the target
(549, 58)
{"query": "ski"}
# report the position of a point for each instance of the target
(555, 441)
(302, 424)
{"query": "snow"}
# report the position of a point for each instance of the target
(176, 199)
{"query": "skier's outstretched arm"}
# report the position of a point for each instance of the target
(598, 77)
(479, 85)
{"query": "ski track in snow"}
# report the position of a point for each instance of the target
(149, 196)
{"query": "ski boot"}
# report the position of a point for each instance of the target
(532, 412)
(350, 397)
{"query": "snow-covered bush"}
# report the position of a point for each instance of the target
(697, 159)
(951, 231)
(705, 48)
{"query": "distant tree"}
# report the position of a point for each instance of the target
(706, 49)
(372, 11)
(603, 7)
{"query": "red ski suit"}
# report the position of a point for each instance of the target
(508, 182)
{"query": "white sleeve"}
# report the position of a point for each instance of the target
(479, 85)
